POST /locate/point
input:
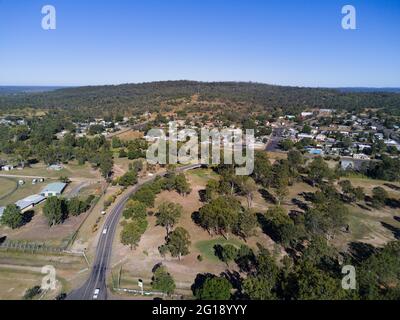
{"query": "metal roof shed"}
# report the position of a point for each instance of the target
(53, 189)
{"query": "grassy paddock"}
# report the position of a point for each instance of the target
(7, 187)
(206, 247)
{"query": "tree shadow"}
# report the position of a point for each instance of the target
(308, 196)
(199, 281)
(266, 227)
(360, 251)
(392, 186)
(393, 203)
(246, 262)
(396, 218)
(294, 214)
(196, 217)
(3, 239)
(218, 251)
(267, 196)
(234, 278)
(156, 266)
(202, 195)
(302, 205)
(308, 181)
(393, 229)
(364, 207)
(28, 216)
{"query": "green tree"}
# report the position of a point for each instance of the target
(226, 253)
(54, 211)
(32, 292)
(212, 190)
(248, 187)
(286, 144)
(359, 193)
(247, 222)
(106, 163)
(76, 206)
(182, 186)
(145, 195)
(259, 288)
(312, 283)
(214, 288)
(295, 159)
(178, 242)
(163, 281)
(379, 197)
(168, 215)
(262, 172)
(220, 215)
(128, 179)
(132, 232)
(135, 210)
(280, 225)
(12, 217)
(306, 129)
(379, 275)
(319, 170)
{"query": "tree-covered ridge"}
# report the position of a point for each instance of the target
(150, 96)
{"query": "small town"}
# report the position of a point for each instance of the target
(200, 158)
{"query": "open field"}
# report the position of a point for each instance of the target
(38, 230)
(20, 271)
(139, 262)
(23, 191)
(7, 187)
(72, 170)
(129, 135)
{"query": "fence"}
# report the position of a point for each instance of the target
(26, 246)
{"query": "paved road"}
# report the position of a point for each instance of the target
(98, 274)
(75, 191)
(273, 142)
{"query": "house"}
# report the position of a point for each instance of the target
(361, 156)
(314, 151)
(325, 112)
(307, 114)
(55, 167)
(305, 136)
(321, 137)
(392, 143)
(347, 164)
(28, 203)
(53, 189)
(7, 168)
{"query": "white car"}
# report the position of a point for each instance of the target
(104, 230)
(96, 293)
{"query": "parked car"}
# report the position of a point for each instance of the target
(96, 294)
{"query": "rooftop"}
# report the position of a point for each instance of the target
(56, 187)
(28, 201)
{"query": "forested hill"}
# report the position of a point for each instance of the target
(150, 96)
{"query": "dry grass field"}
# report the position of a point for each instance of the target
(21, 271)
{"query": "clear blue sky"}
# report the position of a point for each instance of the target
(291, 42)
